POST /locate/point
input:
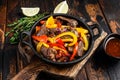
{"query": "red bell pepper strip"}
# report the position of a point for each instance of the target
(59, 47)
(42, 22)
(37, 28)
(74, 51)
(59, 41)
(42, 38)
(64, 50)
(59, 24)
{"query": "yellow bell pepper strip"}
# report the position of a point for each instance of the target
(74, 51)
(51, 26)
(50, 23)
(82, 30)
(39, 45)
(51, 40)
(70, 34)
(42, 38)
(67, 40)
(65, 51)
(65, 26)
(83, 33)
(85, 41)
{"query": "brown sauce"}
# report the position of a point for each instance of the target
(113, 47)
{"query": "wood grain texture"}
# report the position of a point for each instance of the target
(82, 75)
(92, 72)
(2, 30)
(111, 11)
(1, 63)
(9, 62)
(2, 38)
(2, 22)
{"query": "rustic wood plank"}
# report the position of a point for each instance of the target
(1, 64)
(111, 11)
(20, 62)
(12, 11)
(46, 76)
(9, 58)
(2, 22)
(96, 15)
(114, 71)
(10, 61)
(82, 75)
(3, 12)
(96, 73)
(2, 30)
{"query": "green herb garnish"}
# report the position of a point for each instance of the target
(23, 24)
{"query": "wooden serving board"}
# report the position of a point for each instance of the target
(34, 66)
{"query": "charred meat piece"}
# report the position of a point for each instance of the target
(44, 51)
(48, 53)
(72, 22)
(58, 55)
(51, 32)
(51, 54)
(80, 48)
(43, 30)
(70, 48)
(63, 59)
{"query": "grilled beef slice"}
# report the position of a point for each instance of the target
(80, 48)
(43, 30)
(72, 22)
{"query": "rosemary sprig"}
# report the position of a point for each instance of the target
(23, 24)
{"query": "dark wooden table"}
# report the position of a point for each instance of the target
(103, 12)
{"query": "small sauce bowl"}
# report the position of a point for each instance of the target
(111, 45)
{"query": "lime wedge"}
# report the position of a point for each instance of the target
(61, 7)
(30, 11)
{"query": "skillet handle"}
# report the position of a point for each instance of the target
(28, 41)
(97, 30)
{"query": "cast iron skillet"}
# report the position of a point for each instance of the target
(80, 22)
